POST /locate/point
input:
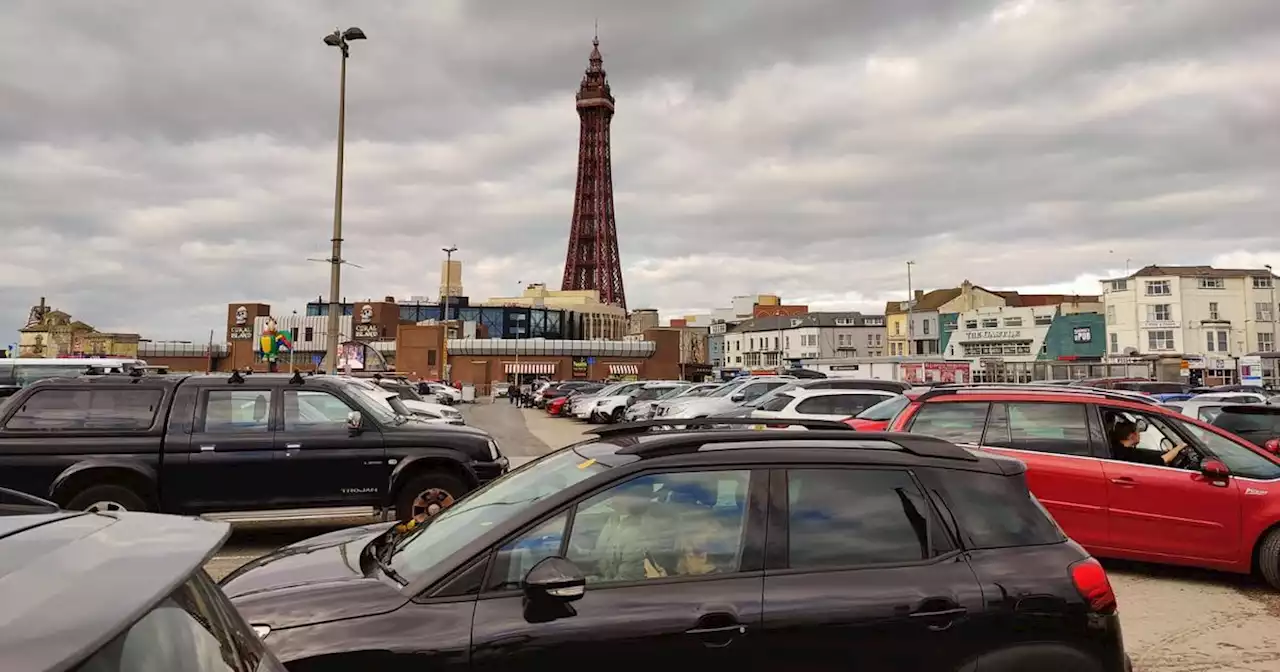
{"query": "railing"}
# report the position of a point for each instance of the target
(163, 349)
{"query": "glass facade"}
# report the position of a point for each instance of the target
(500, 321)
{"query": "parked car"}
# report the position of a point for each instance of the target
(581, 405)
(1204, 411)
(707, 550)
(1232, 397)
(612, 408)
(645, 409)
(745, 409)
(1215, 505)
(105, 593)
(1159, 390)
(555, 390)
(445, 394)
(239, 447)
(411, 404)
(1106, 383)
(501, 389)
(724, 399)
(834, 405)
(1255, 423)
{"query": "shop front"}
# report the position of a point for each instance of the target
(483, 362)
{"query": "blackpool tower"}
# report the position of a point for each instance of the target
(592, 260)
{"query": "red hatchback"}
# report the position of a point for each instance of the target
(556, 405)
(1216, 505)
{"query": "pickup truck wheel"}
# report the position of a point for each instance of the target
(104, 498)
(426, 495)
(1269, 558)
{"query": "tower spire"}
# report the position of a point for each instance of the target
(592, 260)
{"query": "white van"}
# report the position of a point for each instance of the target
(16, 374)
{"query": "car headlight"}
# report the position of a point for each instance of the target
(494, 453)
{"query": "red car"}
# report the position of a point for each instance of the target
(556, 405)
(1215, 505)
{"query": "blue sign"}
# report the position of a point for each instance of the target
(591, 360)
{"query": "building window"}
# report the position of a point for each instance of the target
(775, 343)
(844, 322)
(1212, 283)
(1111, 314)
(1266, 342)
(925, 325)
(897, 328)
(990, 323)
(788, 342)
(1213, 310)
(1160, 312)
(1262, 282)
(1044, 320)
(1158, 288)
(1119, 285)
(1160, 339)
(795, 322)
(1262, 311)
(1115, 343)
(431, 358)
(970, 324)
(1216, 341)
(308, 334)
(1013, 321)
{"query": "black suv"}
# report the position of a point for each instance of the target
(116, 592)
(245, 447)
(705, 549)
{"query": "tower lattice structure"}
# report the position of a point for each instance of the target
(592, 261)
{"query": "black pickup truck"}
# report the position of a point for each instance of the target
(237, 447)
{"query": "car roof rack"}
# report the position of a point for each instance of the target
(677, 442)
(978, 388)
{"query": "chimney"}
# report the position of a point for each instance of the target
(390, 299)
(919, 294)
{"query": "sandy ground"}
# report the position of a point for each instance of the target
(1175, 620)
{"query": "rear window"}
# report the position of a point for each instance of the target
(1235, 421)
(996, 511)
(777, 403)
(94, 408)
(193, 630)
(956, 421)
(885, 410)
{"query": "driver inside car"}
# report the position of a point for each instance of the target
(1124, 441)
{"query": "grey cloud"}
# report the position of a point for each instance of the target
(157, 162)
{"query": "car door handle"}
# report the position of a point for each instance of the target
(293, 446)
(1125, 481)
(207, 448)
(736, 628)
(940, 619)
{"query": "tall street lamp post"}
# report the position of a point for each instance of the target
(911, 301)
(448, 292)
(340, 39)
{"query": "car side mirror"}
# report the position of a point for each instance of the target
(1214, 469)
(549, 587)
(1272, 446)
(355, 422)
(738, 396)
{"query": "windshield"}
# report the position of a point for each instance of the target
(374, 403)
(606, 391)
(673, 393)
(488, 507)
(885, 410)
(727, 389)
(771, 394)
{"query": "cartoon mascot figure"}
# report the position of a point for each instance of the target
(273, 341)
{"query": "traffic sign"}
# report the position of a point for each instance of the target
(591, 360)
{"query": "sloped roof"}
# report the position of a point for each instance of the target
(1056, 299)
(1199, 272)
(822, 319)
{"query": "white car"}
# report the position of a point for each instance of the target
(1232, 397)
(645, 409)
(613, 408)
(583, 405)
(444, 393)
(834, 405)
(723, 399)
(434, 412)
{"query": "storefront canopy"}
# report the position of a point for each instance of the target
(529, 367)
(624, 370)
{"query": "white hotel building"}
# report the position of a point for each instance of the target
(1212, 314)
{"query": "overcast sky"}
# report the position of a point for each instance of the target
(161, 159)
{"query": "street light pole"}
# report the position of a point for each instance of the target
(448, 291)
(340, 39)
(911, 305)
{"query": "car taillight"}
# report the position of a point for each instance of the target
(850, 422)
(1092, 584)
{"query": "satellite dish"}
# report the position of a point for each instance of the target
(1130, 351)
